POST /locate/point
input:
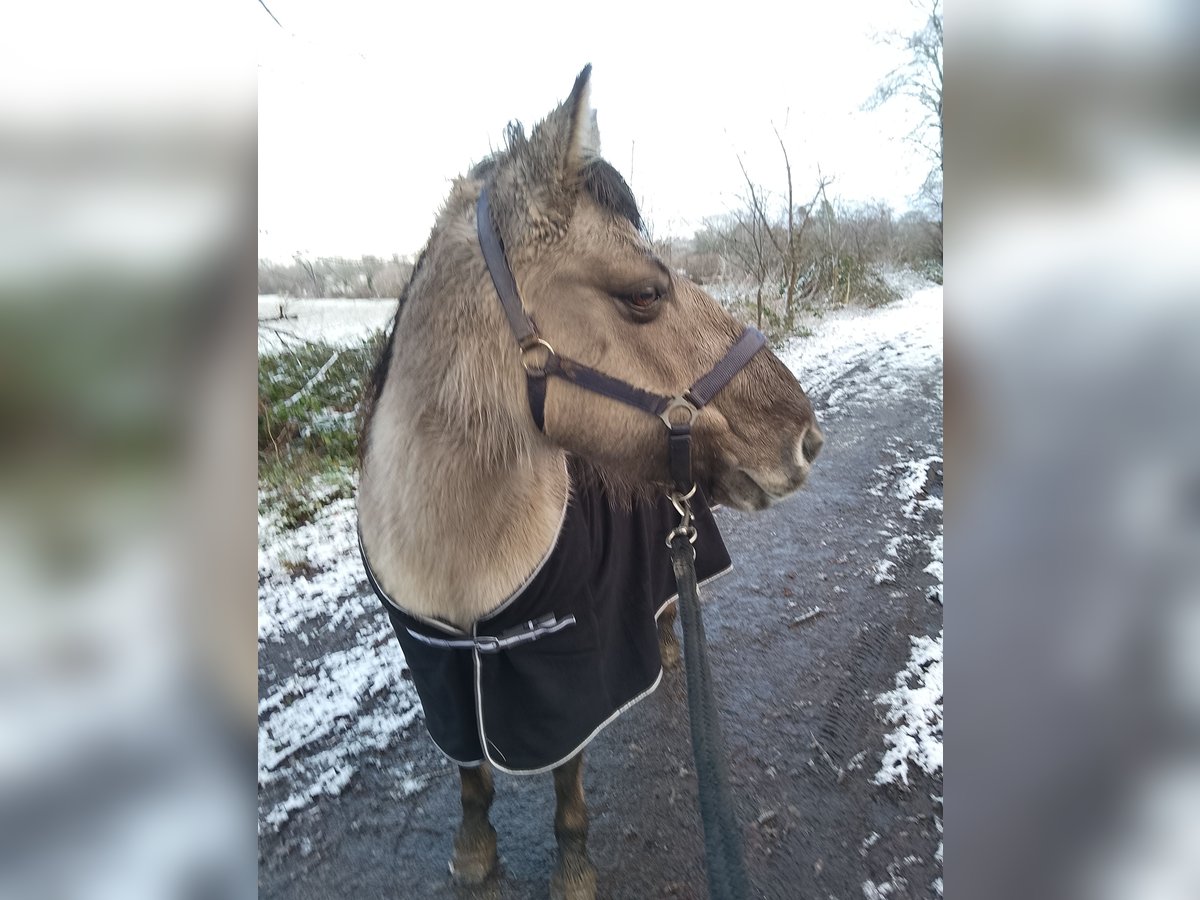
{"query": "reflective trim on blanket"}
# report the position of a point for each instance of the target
(522, 634)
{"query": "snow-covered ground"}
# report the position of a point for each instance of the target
(336, 707)
(909, 331)
(335, 321)
(842, 363)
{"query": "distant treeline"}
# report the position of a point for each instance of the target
(822, 253)
(825, 238)
(335, 276)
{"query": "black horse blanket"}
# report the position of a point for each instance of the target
(535, 680)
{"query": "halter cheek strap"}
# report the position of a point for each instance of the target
(541, 362)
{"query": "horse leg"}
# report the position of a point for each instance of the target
(575, 876)
(475, 844)
(668, 643)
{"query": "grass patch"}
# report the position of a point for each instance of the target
(309, 411)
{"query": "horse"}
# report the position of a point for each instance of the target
(483, 482)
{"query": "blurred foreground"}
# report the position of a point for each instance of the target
(1073, 446)
(127, 478)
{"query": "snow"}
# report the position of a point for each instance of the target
(915, 708)
(844, 350)
(873, 891)
(327, 549)
(913, 482)
(318, 724)
(336, 321)
(935, 566)
(846, 341)
(915, 705)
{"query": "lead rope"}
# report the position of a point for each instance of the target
(722, 837)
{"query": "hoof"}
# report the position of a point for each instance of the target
(577, 882)
(474, 857)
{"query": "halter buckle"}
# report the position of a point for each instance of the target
(679, 402)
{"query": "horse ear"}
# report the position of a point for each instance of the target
(537, 190)
(568, 137)
(589, 143)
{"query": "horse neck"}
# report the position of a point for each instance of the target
(452, 532)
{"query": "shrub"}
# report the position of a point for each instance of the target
(309, 413)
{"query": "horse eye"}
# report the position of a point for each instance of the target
(646, 297)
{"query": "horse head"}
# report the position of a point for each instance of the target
(589, 278)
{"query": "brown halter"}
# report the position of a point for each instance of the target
(690, 401)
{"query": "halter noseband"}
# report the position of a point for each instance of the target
(690, 401)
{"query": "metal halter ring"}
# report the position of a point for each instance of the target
(536, 371)
(679, 402)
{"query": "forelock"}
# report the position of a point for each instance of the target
(609, 190)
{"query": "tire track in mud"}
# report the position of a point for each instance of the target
(851, 710)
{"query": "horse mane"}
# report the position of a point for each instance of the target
(603, 184)
(383, 362)
(609, 190)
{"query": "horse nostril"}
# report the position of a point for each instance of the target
(811, 444)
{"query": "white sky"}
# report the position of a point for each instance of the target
(367, 110)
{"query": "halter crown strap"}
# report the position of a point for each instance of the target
(502, 277)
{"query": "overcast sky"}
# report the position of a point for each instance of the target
(367, 110)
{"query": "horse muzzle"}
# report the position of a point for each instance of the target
(749, 488)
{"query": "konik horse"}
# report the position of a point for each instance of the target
(513, 523)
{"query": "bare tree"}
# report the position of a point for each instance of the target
(785, 237)
(755, 227)
(919, 77)
(829, 215)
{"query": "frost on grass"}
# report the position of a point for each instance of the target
(310, 572)
(338, 708)
(915, 709)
